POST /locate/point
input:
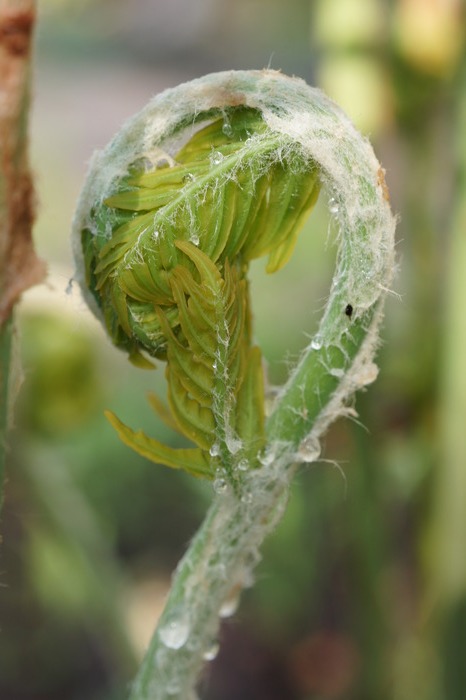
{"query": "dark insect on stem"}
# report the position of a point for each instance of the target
(349, 310)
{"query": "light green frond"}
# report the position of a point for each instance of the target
(250, 417)
(191, 460)
(196, 422)
(163, 412)
(167, 262)
(138, 360)
(141, 199)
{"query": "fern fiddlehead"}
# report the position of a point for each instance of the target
(171, 279)
(209, 176)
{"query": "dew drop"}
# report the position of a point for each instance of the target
(267, 458)
(316, 343)
(189, 177)
(230, 604)
(214, 450)
(228, 130)
(243, 466)
(175, 633)
(211, 652)
(194, 238)
(309, 450)
(220, 485)
(333, 206)
(216, 158)
(233, 445)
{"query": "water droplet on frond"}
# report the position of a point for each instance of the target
(174, 634)
(220, 486)
(309, 450)
(211, 652)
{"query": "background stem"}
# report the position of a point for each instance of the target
(19, 266)
(5, 358)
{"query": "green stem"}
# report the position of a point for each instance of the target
(6, 332)
(441, 627)
(449, 565)
(208, 582)
(323, 370)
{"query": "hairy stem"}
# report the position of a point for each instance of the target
(208, 582)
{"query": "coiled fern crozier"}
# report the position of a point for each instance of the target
(209, 176)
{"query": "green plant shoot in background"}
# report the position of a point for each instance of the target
(209, 176)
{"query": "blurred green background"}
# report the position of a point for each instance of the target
(361, 593)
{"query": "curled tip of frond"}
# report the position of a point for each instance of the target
(166, 257)
(209, 176)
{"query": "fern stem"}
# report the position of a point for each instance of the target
(208, 582)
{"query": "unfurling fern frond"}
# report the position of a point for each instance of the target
(166, 254)
(209, 176)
